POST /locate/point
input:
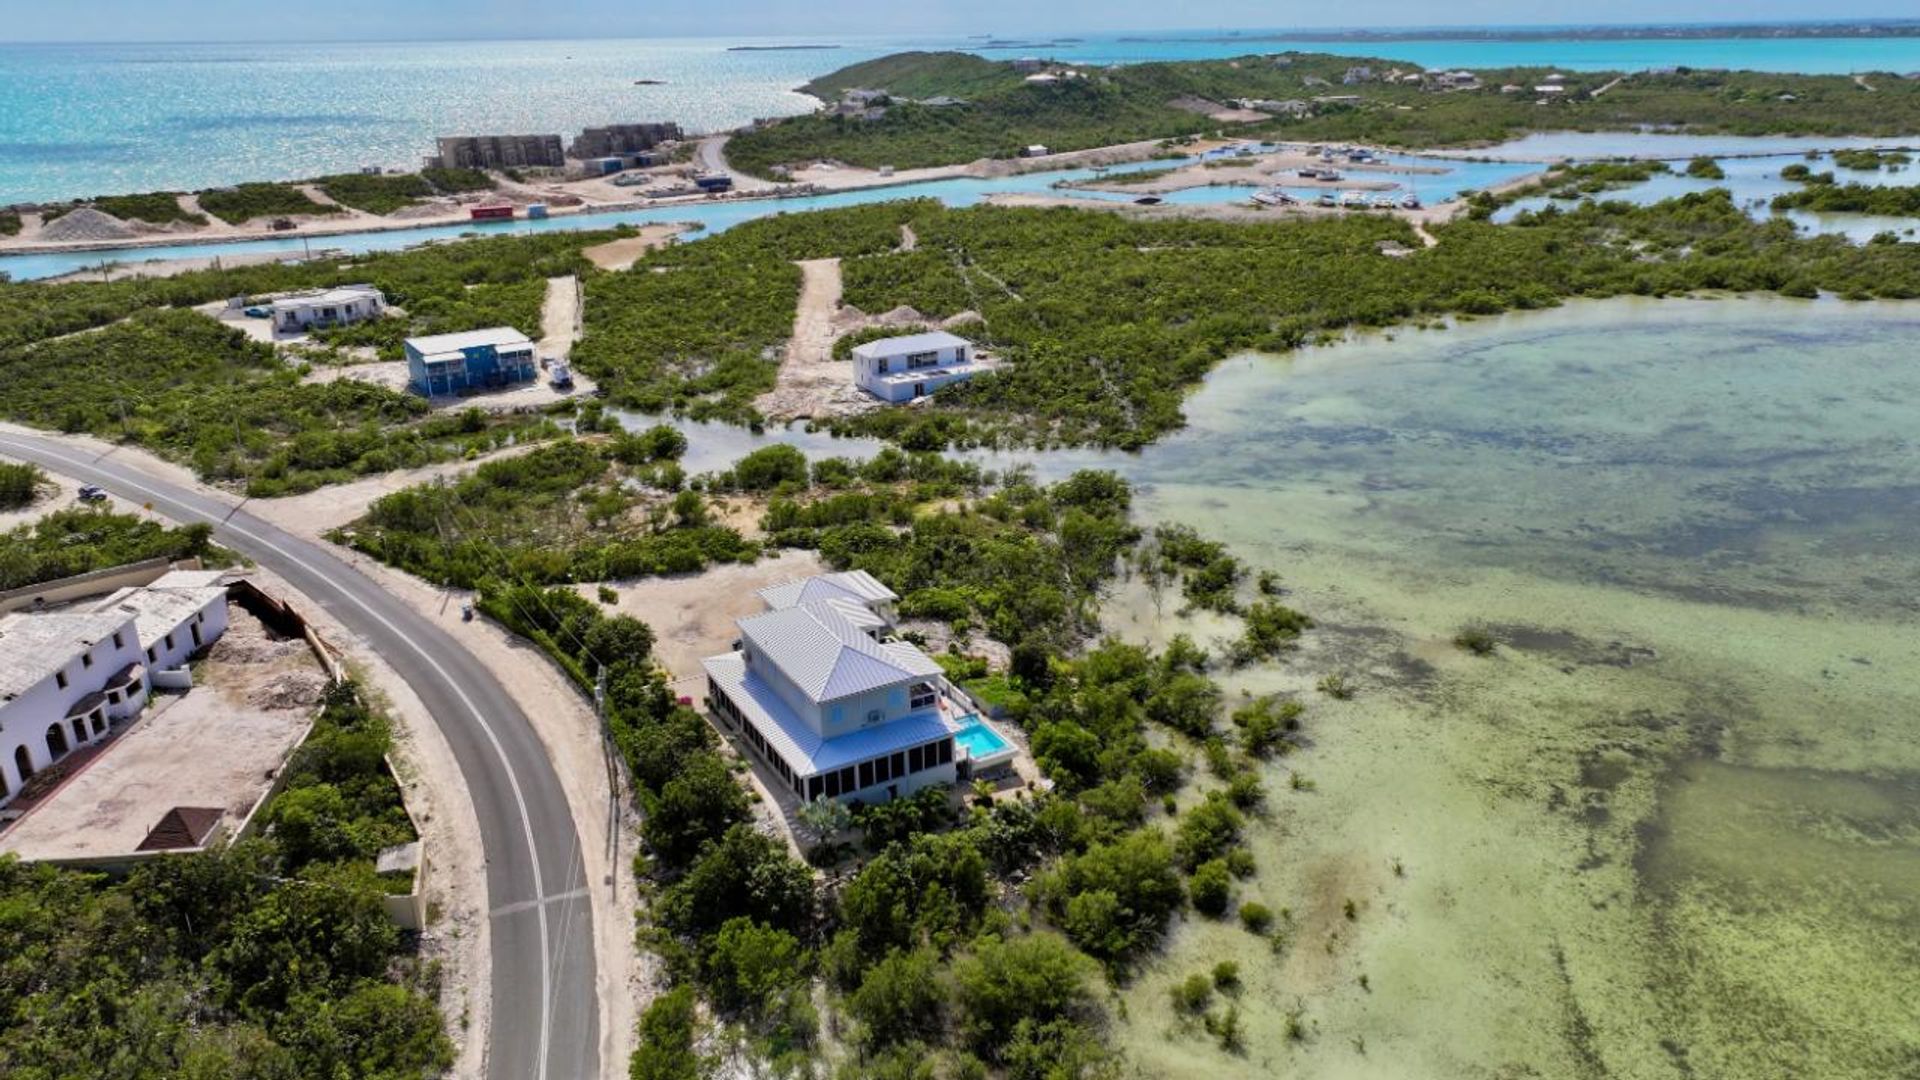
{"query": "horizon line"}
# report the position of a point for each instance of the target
(1376, 31)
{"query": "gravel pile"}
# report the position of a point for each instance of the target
(86, 223)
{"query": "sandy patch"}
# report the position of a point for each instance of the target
(811, 382)
(692, 615)
(622, 254)
(560, 316)
(313, 513)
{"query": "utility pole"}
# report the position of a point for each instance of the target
(613, 782)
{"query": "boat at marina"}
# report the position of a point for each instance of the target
(1410, 201)
(1274, 197)
(1383, 202)
(1327, 200)
(1354, 200)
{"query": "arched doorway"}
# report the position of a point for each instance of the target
(56, 742)
(23, 763)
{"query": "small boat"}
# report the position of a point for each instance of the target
(1354, 200)
(1274, 197)
(1383, 202)
(1332, 176)
(1147, 200)
(1410, 202)
(1308, 174)
(1327, 200)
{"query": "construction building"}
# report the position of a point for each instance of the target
(498, 152)
(620, 140)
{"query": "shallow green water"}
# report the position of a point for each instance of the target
(1672, 829)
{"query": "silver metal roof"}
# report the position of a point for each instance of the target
(804, 751)
(499, 337)
(856, 585)
(828, 657)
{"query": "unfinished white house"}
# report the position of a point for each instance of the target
(331, 307)
(903, 368)
(68, 677)
(834, 706)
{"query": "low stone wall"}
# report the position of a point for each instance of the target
(91, 583)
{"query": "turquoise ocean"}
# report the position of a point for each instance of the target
(79, 120)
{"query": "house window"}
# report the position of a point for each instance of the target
(149, 656)
(882, 770)
(86, 659)
(866, 774)
(814, 788)
(899, 763)
(874, 716)
(60, 679)
(923, 696)
(914, 764)
(916, 361)
(118, 641)
(946, 751)
(833, 785)
(168, 642)
(195, 631)
(113, 697)
(880, 366)
(846, 779)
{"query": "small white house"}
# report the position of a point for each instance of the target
(903, 368)
(1036, 150)
(835, 707)
(330, 307)
(67, 678)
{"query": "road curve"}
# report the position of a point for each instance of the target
(545, 1019)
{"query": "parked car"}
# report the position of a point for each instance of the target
(92, 493)
(259, 313)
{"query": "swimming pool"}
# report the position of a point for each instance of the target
(980, 742)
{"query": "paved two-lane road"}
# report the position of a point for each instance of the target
(545, 1015)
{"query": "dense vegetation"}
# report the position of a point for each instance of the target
(9, 223)
(1134, 102)
(930, 955)
(244, 202)
(80, 539)
(271, 958)
(383, 193)
(1890, 201)
(569, 511)
(188, 388)
(697, 328)
(19, 484)
(1107, 320)
(1870, 160)
(154, 208)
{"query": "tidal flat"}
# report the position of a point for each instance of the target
(1671, 827)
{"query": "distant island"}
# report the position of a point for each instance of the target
(1649, 32)
(780, 48)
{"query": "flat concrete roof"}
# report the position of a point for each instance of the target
(217, 746)
(35, 645)
(157, 611)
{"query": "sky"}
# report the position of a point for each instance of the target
(375, 20)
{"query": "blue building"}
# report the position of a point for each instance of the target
(474, 360)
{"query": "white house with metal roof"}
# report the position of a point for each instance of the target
(68, 677)
(833, 705)
(903, 368)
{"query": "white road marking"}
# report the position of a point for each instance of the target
(528, 905)
(513, 778)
